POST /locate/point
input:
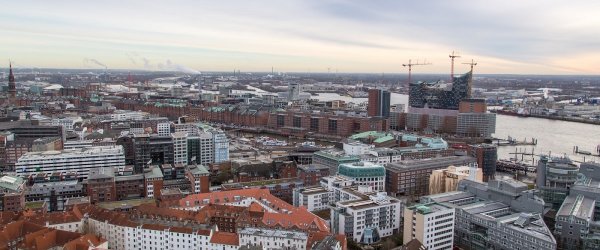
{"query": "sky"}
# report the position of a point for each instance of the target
(503, 37)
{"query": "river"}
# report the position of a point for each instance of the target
(553, 137)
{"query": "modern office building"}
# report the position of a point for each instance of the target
(364, 174)
(500, 214)
(79, 161)
(379, 103)
(432, 224)
(221, 146)
(487, 156)
(152, 149)
(555, 176)
(411, 177)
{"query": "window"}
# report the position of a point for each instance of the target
(332, 125)
(297, 121)
(280, 120)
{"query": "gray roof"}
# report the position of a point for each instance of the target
(101, 173)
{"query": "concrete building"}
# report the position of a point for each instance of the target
(432, 224)
(411, 177)
(79, 161)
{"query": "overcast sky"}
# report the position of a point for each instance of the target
(539, 37)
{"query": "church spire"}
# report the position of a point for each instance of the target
(12, 89)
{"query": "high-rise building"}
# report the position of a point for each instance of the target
(379, 103)
(152, 149)
(180, 150)
(221, 146)
(487, 156)
(440, 95)
(432, 224)
(12, 88)
(293, 91)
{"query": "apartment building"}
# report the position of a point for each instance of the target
(432, 224)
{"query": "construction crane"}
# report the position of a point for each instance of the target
(452, 56)
(469, 86)
(410, 64)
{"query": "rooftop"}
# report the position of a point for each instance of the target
(73, 153)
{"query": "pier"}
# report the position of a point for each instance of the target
(514, 142)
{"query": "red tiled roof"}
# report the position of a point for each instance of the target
(225, 238)
(83, 242)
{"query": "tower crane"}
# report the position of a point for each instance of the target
(452, 56)
(410, 64)
(472, 63)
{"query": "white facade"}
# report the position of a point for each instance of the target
(207, 152)
(356, 148)
(313, 198)
(67, 122)
(128, 115)
(79, 161)
(431, 224)
(272, 239)
(380, 214)
(180, 148)
(163, 129)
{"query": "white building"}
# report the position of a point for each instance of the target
(180, 148)
(356, 148)
(270, 239)
(207, 153)
(313, 198)
(432, 224)
(79, 160)
(66, 122)
(368, 219)
(128, 115)
(163, 128)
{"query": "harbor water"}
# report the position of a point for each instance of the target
(554, 137)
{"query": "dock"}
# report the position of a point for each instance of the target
(514, 142)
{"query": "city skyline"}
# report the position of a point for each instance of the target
(300, 36)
